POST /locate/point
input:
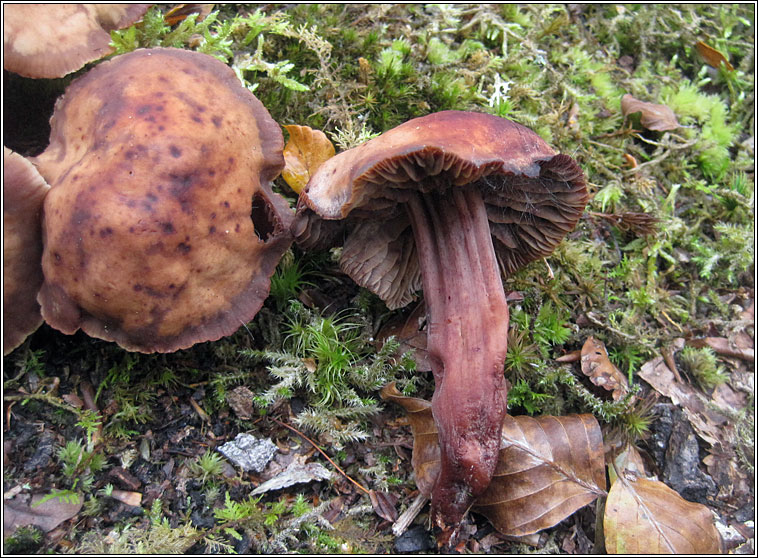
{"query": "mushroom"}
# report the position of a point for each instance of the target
(446, 201)
(23, 193)
(161, 229)
(52, 40)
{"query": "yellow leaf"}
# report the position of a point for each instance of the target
(712, 56)
(306, 150)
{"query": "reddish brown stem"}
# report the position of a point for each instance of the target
(467, 320)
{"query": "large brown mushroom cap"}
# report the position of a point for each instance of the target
(533, 196)
(52, 40)
(158, 160)
(445, 202)
(23, 193)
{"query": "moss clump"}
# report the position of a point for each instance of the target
(704, 367)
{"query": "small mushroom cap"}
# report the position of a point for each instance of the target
(161, 229)
(52, 40)
(23, 193)
(533, 196)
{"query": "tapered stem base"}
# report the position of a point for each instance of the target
(467, 321)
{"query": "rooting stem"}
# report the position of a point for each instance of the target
(467, 320)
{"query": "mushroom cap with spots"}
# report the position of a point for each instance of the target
(446, 202)
(161, 229)
(52, 40)
(23, 193)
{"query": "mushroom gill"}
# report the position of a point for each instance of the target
(24, 190)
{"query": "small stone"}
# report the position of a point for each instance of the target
(240, 399)
(414, 540)
(681, 471)
(43, 453)
(248, 452)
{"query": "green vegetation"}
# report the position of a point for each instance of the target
(704, 367)
(329, 360)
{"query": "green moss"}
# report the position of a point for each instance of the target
(703, 365)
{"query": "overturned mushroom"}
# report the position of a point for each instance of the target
(23, 193)
(52, 40)
(439, 202)
(161, 229)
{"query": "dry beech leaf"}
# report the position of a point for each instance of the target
(652, 116)
(598, 367)
(384, 504)
(707, 422)
(47, 515)
(128, 498)
(306, 150)
(647, 517)
(549, 467)
(426, 449)
(628, 459)
(742, 348)
(712, 56)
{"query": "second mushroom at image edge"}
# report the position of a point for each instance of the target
(445, 202)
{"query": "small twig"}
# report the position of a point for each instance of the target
(296, 431)
(199, 410)
(407, 517)
(650, 162)
(595, 320)
(47, 398)
(549, 269)
(88, 395)
(612, 148)
(670, 320)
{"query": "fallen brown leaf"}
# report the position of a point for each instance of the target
(741, 349)
(408, 332)
(240, 399)
(573, 356)
(46, 515)
(598, 367)
(305, 151)
(706, 422)
(426, 449)
(628, 459)
(73, 400)
(652, 116)
(647, 517)
(384, 504)
(548, 468)
(129, 498)
(712, 56)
